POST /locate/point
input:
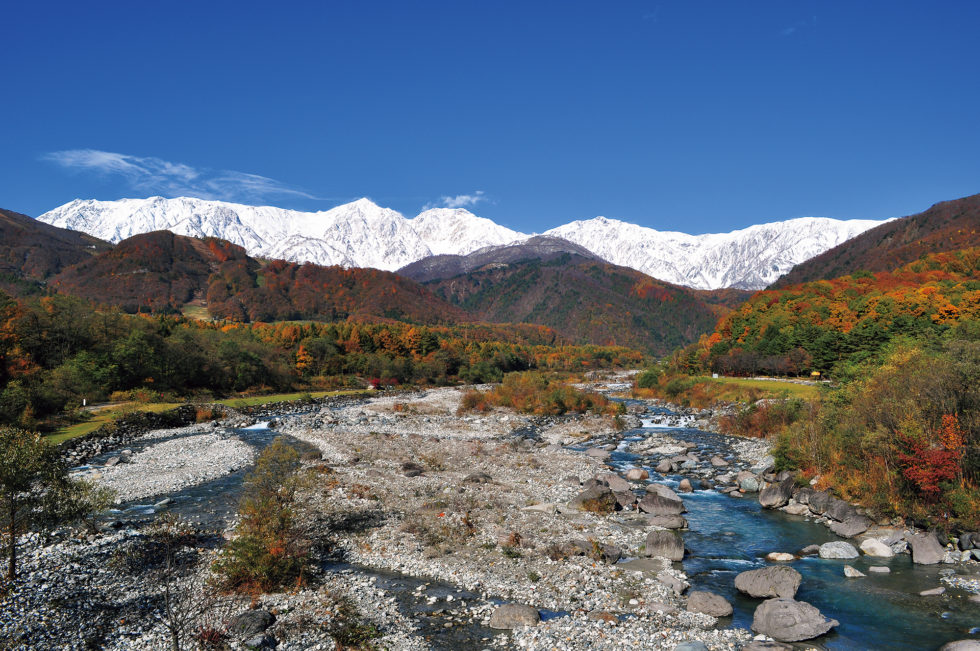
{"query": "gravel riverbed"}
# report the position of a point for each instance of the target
(411, 502)
(169, 466)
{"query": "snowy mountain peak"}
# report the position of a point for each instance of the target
(363, 234)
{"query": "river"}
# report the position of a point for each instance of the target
(726, 536)
(879, 611)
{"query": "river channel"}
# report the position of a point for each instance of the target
(726, 536)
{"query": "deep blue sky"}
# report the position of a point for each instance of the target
(693, 116)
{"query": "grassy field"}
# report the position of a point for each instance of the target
(251, 401)
(196, 312)
(103, 415)
(106, 413)
(771, 389)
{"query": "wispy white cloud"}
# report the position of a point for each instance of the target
(459, 201)
(796, 27)
(154, 175)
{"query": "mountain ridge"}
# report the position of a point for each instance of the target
(363, 234)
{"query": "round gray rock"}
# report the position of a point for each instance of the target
(250, 623)
(509, 616)
(708, 603)
(838, 549)
(788, 620)
(772, 581)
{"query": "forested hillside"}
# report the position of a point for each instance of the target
(31, 252)
(946, 226)
(823, 324)
(584, 300)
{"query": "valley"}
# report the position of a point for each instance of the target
(427, 520)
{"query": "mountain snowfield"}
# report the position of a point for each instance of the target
(750, 258)
(363, 234)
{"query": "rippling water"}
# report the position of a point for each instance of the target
(880, 611)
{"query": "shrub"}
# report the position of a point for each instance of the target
(649, 378)
(535, 393)
(269, 552)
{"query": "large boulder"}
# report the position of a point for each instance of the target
(509, 616)
(774, 496)
(665, 544)
(625, 498)
(926, 549)
(839, 510)
(664, 467)
(803, 495)
(772, 581)
(596, 550)
(747, 481)
(788, 620)
(663, 491)
(250, 623)
(852, 572)
(852, 526)
(667, 521)
(818, 501)
(597, 499)
(657, 505)
(708, 603)
(874, 547)
(675, 583)
(614, 482)
(838, 549)
(685, 486)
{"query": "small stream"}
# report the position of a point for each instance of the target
(213, 504)
(730, 535)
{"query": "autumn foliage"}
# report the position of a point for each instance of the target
(817, 326)
(536, 393)
(928, 461)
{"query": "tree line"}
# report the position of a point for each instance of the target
(56, 351)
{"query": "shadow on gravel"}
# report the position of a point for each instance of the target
(354, 521)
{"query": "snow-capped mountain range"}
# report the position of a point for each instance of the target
(363, 234)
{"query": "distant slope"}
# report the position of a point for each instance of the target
(31, 251)
(723, 301)
(946, 226)
(163, 272)
(156, 271)
(583, 299)
(540, 247)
